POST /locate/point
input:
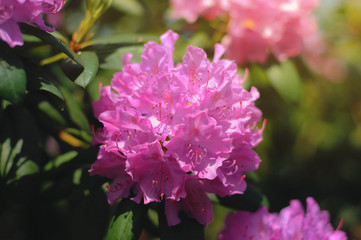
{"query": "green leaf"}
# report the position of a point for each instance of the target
(10, 161)
(25, 168)
(77, 176)
(60, 160)
(130, 6)
(31, 38)
(80, 133)
(48, 87)
(5, 149)
(52, 113)
(127, 221)
(16, 150)
(189, 228)
(75, 111)
(28, 29)
(199, 39)
(12, 75)
(71, 69)
(114, 60)
(249, 201)
(19, 149)
(125, 39)
(38, 82)
(91, 64)
(285, 79)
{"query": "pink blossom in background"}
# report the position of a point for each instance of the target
(191, 10)
(318, 55)
(175, 132)
(28, 11)
(257, 27)
(291, 223)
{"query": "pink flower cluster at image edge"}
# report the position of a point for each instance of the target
(291, 223)
(174, 133)
(28, 11)
(256, 26)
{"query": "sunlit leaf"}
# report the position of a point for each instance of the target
(70, 68)
(48, 87)
(77, 176)
(5, 150)
(127, 221)
(60, 160)
(285, 79)
(130, 6)
(25, 168)
(91, 64)
(114, 60)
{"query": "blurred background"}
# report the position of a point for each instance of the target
(311, 146)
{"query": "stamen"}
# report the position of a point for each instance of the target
(254, 125)
(245, 75)
(160, 112)
(207, 78)
(95, 136)
(198, 152)
(339, 225)
(235, 169)
(239, 182)
(162, 169)
(264, 124)
(229, 161)
(155, 183)
(161, 178)
(192, 210)
(113, 191)
(116, 142)
(239, 112)
(131, 74)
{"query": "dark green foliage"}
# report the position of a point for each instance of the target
(249, 201)
(12, 75)
(189, 228)
(311, 147)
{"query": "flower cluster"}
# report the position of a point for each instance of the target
(257, 26)
(291, 223)
(29, 11)
(174, 133)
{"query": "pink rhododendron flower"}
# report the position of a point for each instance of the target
(28, 11)
(291, 223)
(257, 26)
(174, 133)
